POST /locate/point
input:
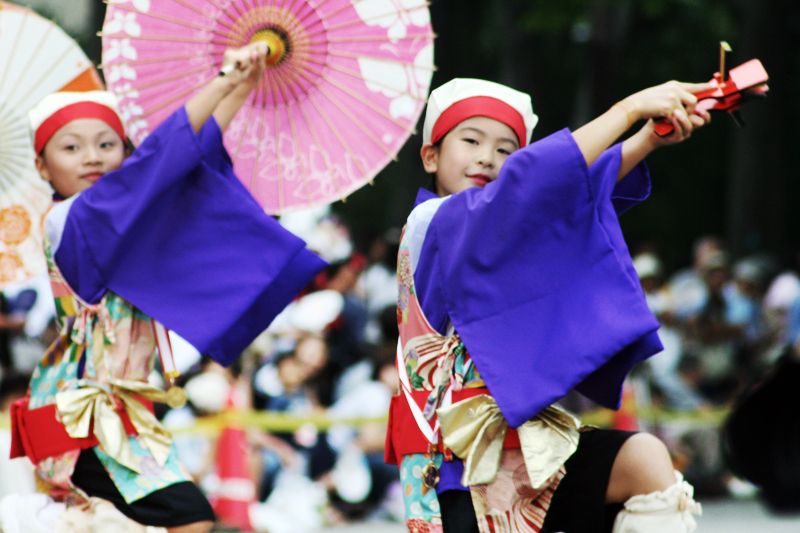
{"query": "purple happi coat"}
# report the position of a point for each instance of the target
(175, 233)
(534, 274)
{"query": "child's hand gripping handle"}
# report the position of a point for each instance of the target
(747, 80)
(270, 44)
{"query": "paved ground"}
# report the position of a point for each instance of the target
(719, 516)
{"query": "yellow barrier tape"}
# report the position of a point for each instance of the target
(278, 422)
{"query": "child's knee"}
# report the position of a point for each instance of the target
(642, 465)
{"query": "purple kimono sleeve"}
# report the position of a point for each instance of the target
(540, 284)
(175, 233)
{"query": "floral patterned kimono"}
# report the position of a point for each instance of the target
(104, 347)
(508, 502)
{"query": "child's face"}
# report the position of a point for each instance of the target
(79, 154)
(470, 155)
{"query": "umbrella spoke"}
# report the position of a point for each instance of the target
(369, 103)
(276, 134)
(13, 52)
(161, 81)
(44, 72)
(291, 23)
(330, 14)
(161, 105)
(8, 179)
(256, 167)
(162, 59)
(315, 137)
(379, 38)
(354, 55)
(371, 135)
(373, 81)
(246, 15)
(316, 9)
(337, 133)
(243, 133)
(166, 18)
(27, 93)
(202, 15)
(188, 5)
(357, 21)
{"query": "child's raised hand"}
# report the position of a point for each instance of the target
(245, 64)
(674, 101)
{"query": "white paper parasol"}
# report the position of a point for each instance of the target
(36, 58)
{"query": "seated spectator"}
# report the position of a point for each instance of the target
(663, 367)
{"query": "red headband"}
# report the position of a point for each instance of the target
(479, 106)
(76, 111)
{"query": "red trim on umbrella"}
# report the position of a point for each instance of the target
(76, 111)
(479, 106)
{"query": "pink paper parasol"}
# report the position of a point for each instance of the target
(327, 116)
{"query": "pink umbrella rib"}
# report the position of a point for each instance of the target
(291, 24)
(360, 21)
(150, 111)
(359, 76)
(175, 39)
(278, 161)
(367, 102)
(317, 9)
(353, 55)
(379, 38)
(296, 143)
(159, 60)
(371, 135)
(237, 150)
(255, 168)
(202, 14)
(247, 16)
(286, 79)
(165, 18)
(330, 14)
(160, 81)
(314, 136)
(336, 132)
(190, 6)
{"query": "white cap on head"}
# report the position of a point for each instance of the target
(463, 98)
(58, 109)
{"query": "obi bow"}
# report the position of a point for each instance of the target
(474, 430)
(100, 404)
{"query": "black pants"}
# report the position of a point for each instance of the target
(578, 504)
(175, 505)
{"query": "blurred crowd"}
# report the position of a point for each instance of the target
(331, 354)
(724, 323)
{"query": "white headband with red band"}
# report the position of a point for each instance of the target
(58, 109)
(463, 98)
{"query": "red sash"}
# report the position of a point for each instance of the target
(404, 437)
(38, 434)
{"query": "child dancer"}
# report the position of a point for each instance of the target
(516, 287)
(167, 233)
